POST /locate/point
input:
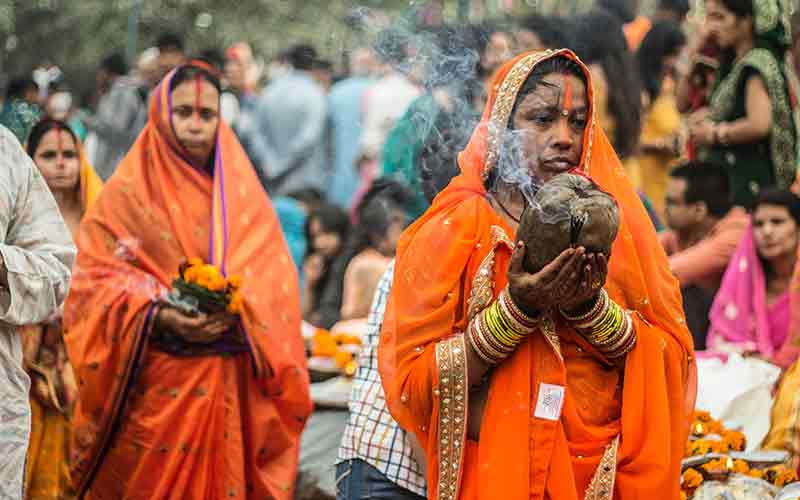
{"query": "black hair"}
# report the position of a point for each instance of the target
(781, 198)
(624, 10)
(213, 57)
(479, 36)
(664, 39)
(114, 64)
(598, 39)
(550, 30)
(374, 213)
(302, 56)
(437, 162)
(310, 196)
(167, 41)
(323, 65)
(18, 86)
(41, 128)
(391, 46)
(189, 72)
(332, 219)
(741, 8)
(679, 7)
(708, 183)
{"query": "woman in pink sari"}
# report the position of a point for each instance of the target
(751, 313)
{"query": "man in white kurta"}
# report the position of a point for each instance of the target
(36, 256)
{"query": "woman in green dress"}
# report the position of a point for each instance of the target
(751, 122)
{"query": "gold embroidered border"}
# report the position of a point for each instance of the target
(548, 328)
(602, 485)
(482, 291)
(451, 361)
(504, 104)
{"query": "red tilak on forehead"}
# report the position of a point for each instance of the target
(567, 96)
(198, 89)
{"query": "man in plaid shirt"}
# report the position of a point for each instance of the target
(378, 459)
(376, 456)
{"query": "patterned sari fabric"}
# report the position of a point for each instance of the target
(452, 263)
(152, 425)
(773, 160)
(53, 388)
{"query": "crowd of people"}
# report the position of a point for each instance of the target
(387, 200)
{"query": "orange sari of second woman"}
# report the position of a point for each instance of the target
(152, 425)
(621, 432)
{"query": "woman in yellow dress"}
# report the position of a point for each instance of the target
(58, 154)
(660, 145)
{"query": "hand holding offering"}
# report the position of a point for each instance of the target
(564, 242)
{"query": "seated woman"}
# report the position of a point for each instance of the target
(582, 361)
(750, 314)
(218, 411)
(327, 228)
(381, 220)
(371, 243)
(59, 156)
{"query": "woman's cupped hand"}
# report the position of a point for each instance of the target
(569, 281)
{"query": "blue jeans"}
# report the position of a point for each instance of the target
(358, 480)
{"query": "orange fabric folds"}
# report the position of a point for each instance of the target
(634, 421)
(153, 425)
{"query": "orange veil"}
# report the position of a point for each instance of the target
(452, 256)
(161, 425)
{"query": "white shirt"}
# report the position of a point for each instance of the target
(38, 253)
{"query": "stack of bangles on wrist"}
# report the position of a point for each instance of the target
(499, 329)
(607, 326)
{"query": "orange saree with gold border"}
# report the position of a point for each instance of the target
(149, 424)
(621, 432)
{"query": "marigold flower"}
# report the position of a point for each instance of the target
(787, 476)
(343, 358)
(236, 303)
(323, 344)
(719, 447)
(699, 447)
(235, 281)
(702, 416)
(191, 275)
(217, 284)
(715, 427)
(691, 479)
(740, 467)
(195, 261)
(347, 339)
(735, 440)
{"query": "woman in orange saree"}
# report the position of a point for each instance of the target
(58, 155)
(216, 409)
(561, 420)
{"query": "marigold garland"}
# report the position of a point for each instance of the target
(710, 436)
(333, 345)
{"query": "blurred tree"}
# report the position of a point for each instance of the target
(76, 34)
